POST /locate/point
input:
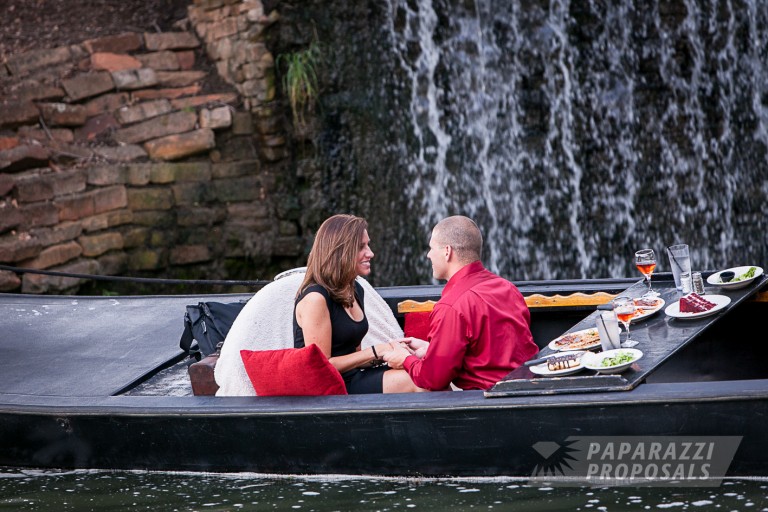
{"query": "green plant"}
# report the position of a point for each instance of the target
(299, 81)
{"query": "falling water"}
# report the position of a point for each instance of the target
(574, 133)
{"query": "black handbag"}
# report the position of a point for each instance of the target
(206, 325)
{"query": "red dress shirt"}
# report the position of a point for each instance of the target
(479, 332)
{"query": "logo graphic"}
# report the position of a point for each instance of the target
(698, 461)
(557, 459)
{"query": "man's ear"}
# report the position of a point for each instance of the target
(449, 254)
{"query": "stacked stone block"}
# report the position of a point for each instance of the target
(113, 160)
(234, 36)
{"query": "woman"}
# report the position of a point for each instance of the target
(330, 308)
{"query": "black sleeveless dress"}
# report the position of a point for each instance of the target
(346, 335)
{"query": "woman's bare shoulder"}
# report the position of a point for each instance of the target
(312, 301)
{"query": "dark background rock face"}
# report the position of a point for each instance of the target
(350, 156)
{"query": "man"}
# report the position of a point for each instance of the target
(480, 327)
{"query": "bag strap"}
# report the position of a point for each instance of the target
(212, 322)
(185, 343)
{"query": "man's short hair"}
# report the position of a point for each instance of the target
(463, 235)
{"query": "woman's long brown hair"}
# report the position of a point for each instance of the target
(332, 262)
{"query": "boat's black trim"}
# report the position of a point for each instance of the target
(194, 406)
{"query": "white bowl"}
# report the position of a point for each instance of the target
(714, 279)
(592, 361)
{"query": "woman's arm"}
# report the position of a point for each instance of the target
(315, 321)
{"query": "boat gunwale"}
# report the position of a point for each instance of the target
(203, 406)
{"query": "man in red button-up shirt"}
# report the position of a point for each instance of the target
(479, 329)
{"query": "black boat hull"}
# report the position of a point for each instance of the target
(430, 435)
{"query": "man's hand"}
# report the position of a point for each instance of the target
(397, 355)
(416, 346)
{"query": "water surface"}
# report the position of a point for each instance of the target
(28, 490)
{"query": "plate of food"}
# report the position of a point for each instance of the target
(694, 305)
(577, 340)
(564, 363)
(611, 361)
(735, 277)
(645, 307)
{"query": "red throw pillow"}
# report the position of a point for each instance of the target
(292, 371)
(416, 325)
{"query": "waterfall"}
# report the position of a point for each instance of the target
(574, 133)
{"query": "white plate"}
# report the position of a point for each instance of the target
(541, 369)
(714, 279)
(644, 314)
(592, 361)
(592, 330)
(720, 301)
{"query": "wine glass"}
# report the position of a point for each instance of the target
(624, 307)
(645, 261)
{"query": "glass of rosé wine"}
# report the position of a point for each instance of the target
(645, 261)
(624, 307)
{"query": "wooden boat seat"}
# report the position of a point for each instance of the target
(535, 300)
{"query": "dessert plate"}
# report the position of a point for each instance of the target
(543, 369)
(720, 301)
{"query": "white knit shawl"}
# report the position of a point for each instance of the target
(266, 323)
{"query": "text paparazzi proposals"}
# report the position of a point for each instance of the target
(637, 460)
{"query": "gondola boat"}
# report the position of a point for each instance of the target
(72, 365)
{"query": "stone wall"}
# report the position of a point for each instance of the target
(127, 155)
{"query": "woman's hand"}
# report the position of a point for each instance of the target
(381, 348)
(396, 355)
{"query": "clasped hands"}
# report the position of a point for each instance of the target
(402, 348)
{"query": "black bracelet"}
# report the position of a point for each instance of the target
(376, 361)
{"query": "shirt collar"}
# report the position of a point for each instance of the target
(472, 268)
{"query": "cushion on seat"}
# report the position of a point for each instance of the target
(416, 325)
(292, 371)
